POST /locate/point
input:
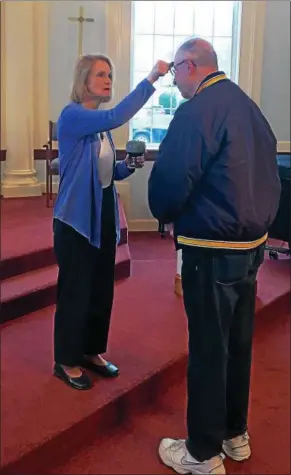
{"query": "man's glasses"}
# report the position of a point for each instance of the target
(173, 67)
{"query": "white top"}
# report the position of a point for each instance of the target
(105, 162)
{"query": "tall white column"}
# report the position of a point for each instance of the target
(19, 174)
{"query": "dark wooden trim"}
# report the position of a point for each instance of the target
(2, 155)
(40, 154)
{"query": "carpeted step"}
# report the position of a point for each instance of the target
(40, 414)
(28, 292)
(34, 250)
(125, 442)
(131, 448)
(20, 264)
(34, 290)
(123, 225)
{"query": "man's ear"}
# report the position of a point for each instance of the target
(191, 68)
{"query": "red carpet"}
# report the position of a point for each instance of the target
(48, 428)
(28, 263)
(26, 226)
(133, 448)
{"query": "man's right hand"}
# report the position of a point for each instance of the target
(160, 69)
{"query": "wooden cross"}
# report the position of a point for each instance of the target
(81, 19)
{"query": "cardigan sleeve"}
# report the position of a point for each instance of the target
(78, 121)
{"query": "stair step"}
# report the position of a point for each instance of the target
(28, 292)
(131, 447)
(123, 225)
(23, 263)
(19, 264)
(121, 450)
(36, 289)
(31, 434)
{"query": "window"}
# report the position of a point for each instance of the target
(158, 28)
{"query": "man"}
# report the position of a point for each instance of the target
(216, 179)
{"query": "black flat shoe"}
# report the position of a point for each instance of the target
(108, 371)
(82, 382)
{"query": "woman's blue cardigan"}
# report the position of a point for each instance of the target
(79, 200)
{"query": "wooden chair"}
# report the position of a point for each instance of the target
(52, 162)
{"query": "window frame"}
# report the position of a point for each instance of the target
(250, 58)
(152, 128)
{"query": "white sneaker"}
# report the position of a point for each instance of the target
(238, 449)
(174, 454)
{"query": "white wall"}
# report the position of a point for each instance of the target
(63, 51)
(275, 94)
(63, 45)
(139, 193)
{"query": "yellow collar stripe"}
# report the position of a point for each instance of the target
(239, 246)
(210, 82)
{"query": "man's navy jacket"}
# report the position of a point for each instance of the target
(216, 175)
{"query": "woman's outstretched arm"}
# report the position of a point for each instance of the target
(78, 121)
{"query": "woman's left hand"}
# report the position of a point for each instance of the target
(138, 160)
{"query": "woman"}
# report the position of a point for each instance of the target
(86, 217)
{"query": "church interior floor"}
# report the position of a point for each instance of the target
(132, 449)
(47, 427)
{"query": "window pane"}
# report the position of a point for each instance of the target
(223, 49)
(204, 18)
(138, 77)
(142, 125)
(163, 48)
(159, 28)
(143, 52)
(166, 80)
(144, 17)
(184, 20)
(164, 17)
(168, 99)
(223, 18)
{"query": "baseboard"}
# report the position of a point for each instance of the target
(284, 147)
(178, 285)
(55, 188)
(21, 191)
(138, 225)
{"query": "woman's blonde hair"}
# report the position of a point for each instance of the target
(81, 73)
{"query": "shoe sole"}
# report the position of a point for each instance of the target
(234, 457)
(182, 471)
(68, 384)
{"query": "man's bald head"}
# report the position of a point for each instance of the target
(201, 52)
(194, 61)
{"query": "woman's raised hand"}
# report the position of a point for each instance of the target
(160, 69)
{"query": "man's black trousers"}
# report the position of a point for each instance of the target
(219, 289)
